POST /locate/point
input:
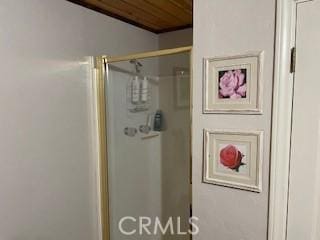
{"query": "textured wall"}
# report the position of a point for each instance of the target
(223, 28)
(47, 166)
(175, 39)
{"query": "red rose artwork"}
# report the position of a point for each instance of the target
(231, 157)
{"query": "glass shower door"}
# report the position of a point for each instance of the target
(148, 138)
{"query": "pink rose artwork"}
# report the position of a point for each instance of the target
(231, 157)
(232, 84)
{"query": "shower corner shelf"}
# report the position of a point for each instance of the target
(151, 135)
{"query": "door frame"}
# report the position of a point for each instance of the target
(282, 118)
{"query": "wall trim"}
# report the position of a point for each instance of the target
(282, 118)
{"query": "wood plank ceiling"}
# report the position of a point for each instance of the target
(157, 16)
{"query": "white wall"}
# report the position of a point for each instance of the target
(46, 161)
(223, 28)
(175, 39)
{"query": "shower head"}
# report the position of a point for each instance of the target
(137, 65)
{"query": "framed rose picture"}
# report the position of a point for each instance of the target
(233, 159)
(233, 84)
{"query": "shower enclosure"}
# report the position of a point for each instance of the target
(144, 142)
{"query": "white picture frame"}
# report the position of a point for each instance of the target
(233, 85)
(233, 158)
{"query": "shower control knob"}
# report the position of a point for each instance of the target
(130, 131)
(144, 129)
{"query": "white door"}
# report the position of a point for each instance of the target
(304, 189)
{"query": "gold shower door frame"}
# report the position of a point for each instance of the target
(100, 70)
